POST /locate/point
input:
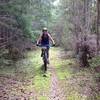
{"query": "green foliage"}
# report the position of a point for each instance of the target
(31, 15)
(95, 62)
(25, 23)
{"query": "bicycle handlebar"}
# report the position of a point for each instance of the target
(41, 45)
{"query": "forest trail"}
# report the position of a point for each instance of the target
(65, 80)
(56, 92)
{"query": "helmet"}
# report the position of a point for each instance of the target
(44, 29)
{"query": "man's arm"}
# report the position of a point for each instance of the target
(39, 39)
(51, 38)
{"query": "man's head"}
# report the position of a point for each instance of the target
(44, 30)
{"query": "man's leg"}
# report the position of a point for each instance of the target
(41, 52)
(48, 51)
(48, 54)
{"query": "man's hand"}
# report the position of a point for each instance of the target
(53, 43)
(37, 44)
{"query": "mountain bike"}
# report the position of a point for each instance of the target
(44, 57)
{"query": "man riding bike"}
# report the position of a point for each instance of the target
(44, 40)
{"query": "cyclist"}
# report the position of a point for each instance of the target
(44, 40)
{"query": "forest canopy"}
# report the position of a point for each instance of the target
(66, 20)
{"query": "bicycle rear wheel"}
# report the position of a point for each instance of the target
(45, 61)
(45, 66)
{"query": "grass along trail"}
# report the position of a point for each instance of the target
(65, 80)
(75, 82)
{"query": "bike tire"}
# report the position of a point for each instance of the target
(45, 62)
(45, 66)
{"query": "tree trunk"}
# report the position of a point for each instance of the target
(86, 23)
(98, 26)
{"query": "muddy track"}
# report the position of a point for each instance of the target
(56, 92)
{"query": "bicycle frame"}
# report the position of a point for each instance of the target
(44, 57)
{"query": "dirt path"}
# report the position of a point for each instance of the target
(56, 93)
